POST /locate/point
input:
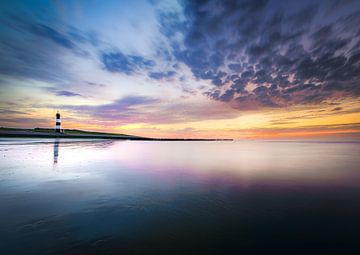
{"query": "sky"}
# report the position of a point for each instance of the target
(187, 69)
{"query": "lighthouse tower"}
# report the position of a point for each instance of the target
(58, 123)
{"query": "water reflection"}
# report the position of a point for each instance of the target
(112, 197)
(74, 144)
(56, 151)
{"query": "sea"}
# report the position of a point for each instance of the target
(73, 196)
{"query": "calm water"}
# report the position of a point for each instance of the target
(135, 197)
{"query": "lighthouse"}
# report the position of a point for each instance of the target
(58, 123)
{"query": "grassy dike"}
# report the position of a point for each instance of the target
(74, 133)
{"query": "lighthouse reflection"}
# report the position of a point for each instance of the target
(56, 151)
(78, 145)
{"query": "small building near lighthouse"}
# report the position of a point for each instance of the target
(58, 123)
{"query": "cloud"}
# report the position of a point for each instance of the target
(31, 49)
(24, 122)
(121, 109)
(162, 75)
(11, 112)
(64, 36)
(270, 54)
(96, 84)
(62, 93)
(67, 93)
(243, 55)
(149, 110)
(130, 101)
(116, 61)
(337, 109)
(52, 34)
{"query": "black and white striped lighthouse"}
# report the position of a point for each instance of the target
(58, 123)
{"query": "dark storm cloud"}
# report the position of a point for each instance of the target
(271, 53)
(116, 61)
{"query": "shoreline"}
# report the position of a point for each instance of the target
(36, 134)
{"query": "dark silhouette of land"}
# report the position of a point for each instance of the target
(74, 133)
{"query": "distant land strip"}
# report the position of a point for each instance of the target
(74, 133)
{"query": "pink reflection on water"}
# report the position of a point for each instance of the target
(231, 163)
(287, 162)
